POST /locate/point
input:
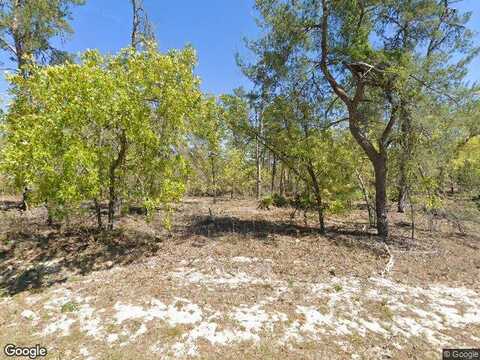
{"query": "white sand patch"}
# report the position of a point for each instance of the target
(244, 259)
(347, 311)
(219, 278)
(180, 312)
(111, 338)
(85, 353)
(89, 323)
(128, 312)
(85, 314)
(32, 299)
(59, 298)
(62, 325)
(252, 319)
(141, 330)
(29, 315)
(314, 319)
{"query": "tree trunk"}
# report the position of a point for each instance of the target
(214, 179)
(318, 199)
(258, 189)
(380, 166)
(98, 212)
(282, 180)
(111, 200)
(112, 177)
(274, 172)
(258, 169)
(402, 191)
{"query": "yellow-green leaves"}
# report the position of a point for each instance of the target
(68, 124)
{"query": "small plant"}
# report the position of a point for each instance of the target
(265, 203)
(279, 200)
(69, 307)
(337, 287)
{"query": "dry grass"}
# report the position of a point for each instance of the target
(244, 259)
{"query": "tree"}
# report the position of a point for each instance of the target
(27, 28)
(346, 43)
(428, 34)
(142, 29)
(220, 160)
(105, 128)
(211, 129)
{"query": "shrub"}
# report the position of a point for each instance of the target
(279, 200)
(265, 203)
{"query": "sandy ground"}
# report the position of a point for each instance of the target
(241, 284)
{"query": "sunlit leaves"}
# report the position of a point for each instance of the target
(68, 123)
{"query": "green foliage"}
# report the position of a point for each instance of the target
(279, 200)
(219, 161)
(77, 132)
(69, 307)
(265, 203)
(466, 166)
(27, 27)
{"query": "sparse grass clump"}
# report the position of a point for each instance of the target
(69, 307)
(337, 287)
(265, 203)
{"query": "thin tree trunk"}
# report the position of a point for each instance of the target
(98, 212)
(412, 215)
(258, 169)
(112, 177)
(111, 199)
(257, 158)
(282, 180)
(214, 179)
(366, 197)
(274, 172)
(318, 199)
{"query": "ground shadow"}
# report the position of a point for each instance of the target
(214, 227)
(6, 205)
(37, 257)
(352, 235)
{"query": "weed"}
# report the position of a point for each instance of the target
(69, 307)
(337, 287)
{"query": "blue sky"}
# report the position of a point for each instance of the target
(214, 27)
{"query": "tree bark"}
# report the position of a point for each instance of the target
(258, 169)
(98, 212)
(214, 178)
(380, 167)
(282, 180)
(112, 178)
(318, 199)
(274, 173)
